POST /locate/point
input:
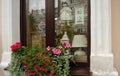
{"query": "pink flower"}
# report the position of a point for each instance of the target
(16, 46)
(66, 44)
(52, 73)
(56, 51)
(48, 48)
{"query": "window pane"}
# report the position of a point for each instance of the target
(71, 22)
(36, 36)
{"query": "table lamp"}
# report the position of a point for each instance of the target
(79, 41)
(65, 37)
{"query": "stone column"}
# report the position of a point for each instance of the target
(0, 29)
(6, 32)
(10, 28)
(101, 53)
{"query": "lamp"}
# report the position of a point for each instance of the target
(65, 17)
(79, 41)
(65, 37)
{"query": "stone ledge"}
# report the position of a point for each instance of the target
(6, 58)
(102, 62)
(102, 65)
(103, 73)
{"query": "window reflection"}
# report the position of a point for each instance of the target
(71, 22)
(36, 23)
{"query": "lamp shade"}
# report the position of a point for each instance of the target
(65, 37)
(79, 41)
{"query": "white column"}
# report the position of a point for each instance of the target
(6, 25)
(15, 21)
(10, 28)
(101, 55)
(6, 32)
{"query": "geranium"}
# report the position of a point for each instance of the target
(15, 46)
(60, 58)
(52, 73)
(56, 51)
(52, 61)
(18, 52)
(48, 48)
(66, 44)
(38, 61)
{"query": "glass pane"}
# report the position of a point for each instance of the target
(71, 21)
(36, 23)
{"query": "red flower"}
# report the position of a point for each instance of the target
(52, 73)
(15, 46)
(30, 74)
(40, 74)
(44, 63)
(25, 63)
(18, 44)
(35, 58)
(26, 67)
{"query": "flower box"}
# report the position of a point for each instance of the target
(50, 61)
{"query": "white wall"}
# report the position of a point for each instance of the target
(116, 32)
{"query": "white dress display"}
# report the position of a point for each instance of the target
(66, 13)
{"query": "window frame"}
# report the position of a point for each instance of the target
(50, 26)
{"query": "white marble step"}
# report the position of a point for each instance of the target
(6, 58)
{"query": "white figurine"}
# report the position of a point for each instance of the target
(66, 12)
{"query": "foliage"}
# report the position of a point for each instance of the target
(18, 52)
(50, 61)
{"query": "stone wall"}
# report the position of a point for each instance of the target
(0, 29)
(116, 32)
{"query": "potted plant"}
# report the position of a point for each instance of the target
(50, 61)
